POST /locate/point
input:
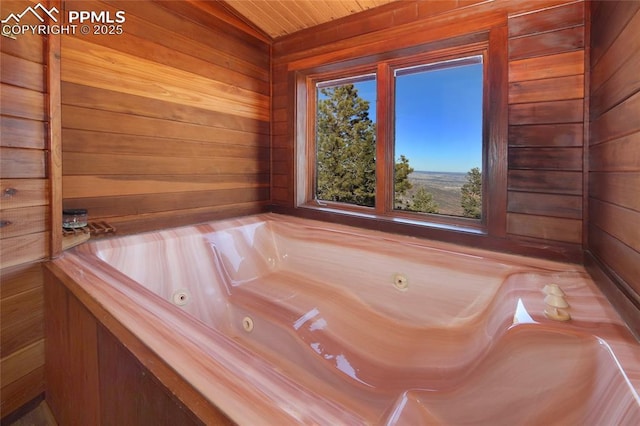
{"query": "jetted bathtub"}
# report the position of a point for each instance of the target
(280, 320)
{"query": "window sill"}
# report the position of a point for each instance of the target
(397, 219)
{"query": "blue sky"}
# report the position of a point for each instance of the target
(438, 117)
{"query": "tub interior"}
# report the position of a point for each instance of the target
(327, 302)
(262, 256)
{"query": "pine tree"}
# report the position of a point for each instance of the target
(471, 199)
(423, 202)
(401, 181)
(346, 149)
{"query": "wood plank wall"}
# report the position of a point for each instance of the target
(167, 123)
(24, 213)
(614, 151)
(546, 96)
(546, 108)
(164, 125)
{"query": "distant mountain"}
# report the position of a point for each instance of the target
(445, 187)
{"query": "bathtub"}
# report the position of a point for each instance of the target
(281, 320)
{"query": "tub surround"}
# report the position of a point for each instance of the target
(335, 342)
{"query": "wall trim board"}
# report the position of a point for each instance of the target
(616, 290)
(54, 137)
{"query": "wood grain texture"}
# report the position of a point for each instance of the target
(187, 23)
(621, 299)
(54, 138)
(89, 364)
(546, 114)
(24, 212)
(556, 158)
(17, 193)
(547, 181)
(23, 249)
(545, 227)
(560, 112)
(21, 312)
(618, 121)
(122, 124)
(22, 163)
(617, 257)
(71, 334)
(75, 163)
(22, 103)
(278, 18)
(495, 157)
(21, 278)
(171, 118)
(145, 400)
(75, 96)
(22, 221)
(548, 19)
(28, 46)
(549, 89)
(614, 157)
(550, 66)
(622, 48)
(617, 155)
(610, 21)
(541, 204)
(546, 135)
(101, 67)
(123, 185)
(22, 318)
(21, 133)
(21, 73)
(547, 43)
(617, 188)
(130, 205)
(618, 87)
(22, 362)
(39, 414)
(615, 220)
(19, 392)
(397, 15)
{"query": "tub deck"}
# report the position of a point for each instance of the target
(335, 342)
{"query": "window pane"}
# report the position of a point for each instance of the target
(346, 141)
(438, 138)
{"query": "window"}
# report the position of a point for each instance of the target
(438, 137)
(346, 141)
(406, 138)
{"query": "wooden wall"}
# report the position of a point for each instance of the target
(546, 114)
(167, 123)
(544, 145)
(614, 152)
(25, 228)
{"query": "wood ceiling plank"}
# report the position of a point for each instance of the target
(282, 17)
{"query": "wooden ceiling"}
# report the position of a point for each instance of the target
(281, 17)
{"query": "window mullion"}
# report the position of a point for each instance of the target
(384, 141)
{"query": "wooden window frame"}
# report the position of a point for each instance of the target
(491, 45)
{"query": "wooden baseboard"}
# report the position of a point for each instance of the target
(15, 415)
(624, 300)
